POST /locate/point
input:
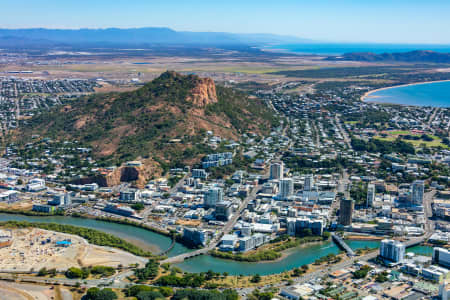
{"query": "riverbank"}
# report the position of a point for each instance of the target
(146, 239)
(269, 252)
(37, 255)
(29, 213)
(173, 235)
(368, 94)
(91, 235)
(364, 238)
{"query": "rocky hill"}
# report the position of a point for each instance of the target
(412, 56)
(164, 121)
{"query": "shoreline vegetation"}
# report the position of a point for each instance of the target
(31, 213)
(271, 253)
(93, 236)
(173, 235)
(367, 95)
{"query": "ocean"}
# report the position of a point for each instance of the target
(341, 48)
(435, 94)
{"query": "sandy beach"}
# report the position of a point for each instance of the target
(368, 96)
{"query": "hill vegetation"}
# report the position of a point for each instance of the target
(165, 121)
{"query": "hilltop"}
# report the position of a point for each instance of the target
(142, 124)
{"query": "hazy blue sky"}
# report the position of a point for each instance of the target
(394, 21)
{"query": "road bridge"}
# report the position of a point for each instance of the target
(341, 244)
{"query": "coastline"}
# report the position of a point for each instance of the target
(367, 95)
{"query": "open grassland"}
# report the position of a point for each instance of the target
(393, 135)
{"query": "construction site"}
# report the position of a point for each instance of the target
(30, 249)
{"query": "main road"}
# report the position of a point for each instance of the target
(343, 132)
(224, 230)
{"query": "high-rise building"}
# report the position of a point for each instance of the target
(417, 190)
(346, 211)
(286, 188)
(309, 182)
(67, 200)
(223, 211)
(444, 290)
(213, 196)
(441, 257)
(370, 194)
(129, 195)
(276, 170)
(297, 226)
(199, 173)
(392, 250)
(195, 236)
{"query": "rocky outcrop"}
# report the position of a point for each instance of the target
(139, 176)
(203, 93)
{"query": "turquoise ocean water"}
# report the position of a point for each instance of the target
(341, 48)
(436, 94)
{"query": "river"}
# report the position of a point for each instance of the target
(293, 258)
(143, 238)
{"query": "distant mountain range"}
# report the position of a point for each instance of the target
(149, 36)
(412, 56)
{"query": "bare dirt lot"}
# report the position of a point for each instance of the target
(37, 248)
(20, 291)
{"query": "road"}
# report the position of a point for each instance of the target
(427, 200)
(225, 230)
(146, 212)
(343, 132)
(316, 134)
(432, 117)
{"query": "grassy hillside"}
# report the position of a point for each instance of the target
(141, 123)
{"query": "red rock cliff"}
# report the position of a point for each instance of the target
(203, 93)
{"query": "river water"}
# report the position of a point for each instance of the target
(293, 258)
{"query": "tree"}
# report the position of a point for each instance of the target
(382, 277)
(95, 293)
(42, 272)
(256, 278)
(74, 273)
(149, 271)
(326, 235)
(150, 295)
(362, 272)
(138, 206)
(297, 272)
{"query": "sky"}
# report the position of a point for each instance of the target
(378, 21)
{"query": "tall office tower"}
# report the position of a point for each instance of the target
(213, 196)
(309, 182)
(346, 211)
(392, 250)
(370, 194)
(441, 257)
(444, 290)
(286, 188)
(276, 170)
(417, 192)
